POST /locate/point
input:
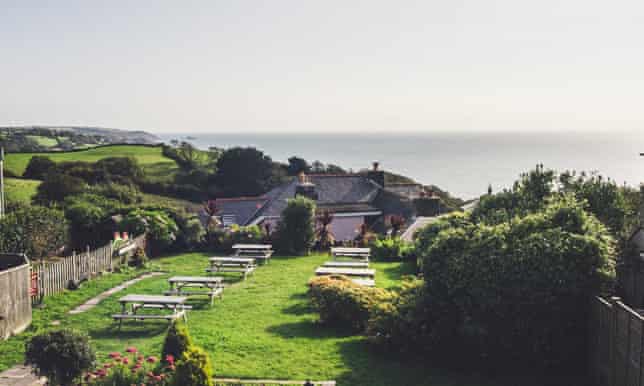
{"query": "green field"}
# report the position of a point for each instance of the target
(20, 190)
(146, 155)
(262, 328)
(43, 141)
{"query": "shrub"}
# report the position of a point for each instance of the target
(296, 229)
(124, 194)
(160, 227)
(139, 258)
(389, 249)
(516, 294)
(34, 230)
(398, 321)
(60, 355)
(222, 239)
(342, 302)
(177, 340)
(194, 369)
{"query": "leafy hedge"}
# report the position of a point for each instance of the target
(514, 293)
(389, 249)
(222, 239)
(342, 302)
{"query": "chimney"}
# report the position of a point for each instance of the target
(376, 175)
(305, 187)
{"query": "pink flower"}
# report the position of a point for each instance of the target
(131, 350)
(126, 361)
(169, 358)
(115, 355)
(151, 359)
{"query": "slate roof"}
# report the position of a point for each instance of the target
(244, 208)
(331, 189)
(343, 193)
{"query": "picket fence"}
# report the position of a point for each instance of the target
(53, 276)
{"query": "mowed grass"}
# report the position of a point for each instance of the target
(146, 155)
(264, 327)
(43, 141)
(20, 190)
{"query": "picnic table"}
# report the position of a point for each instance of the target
(183, 285)
(176, 304)
(261, 252)
(243, 265)
(359, 272)
(346, 264)
(359, 253)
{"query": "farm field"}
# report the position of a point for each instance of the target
(20, 190)
(146, 155)
(263, 327)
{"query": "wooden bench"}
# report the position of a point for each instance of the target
(176, 304)
(183, 286)
(365, 282)
(243, 265)
(351, 272)
(354, 253)
(173, 316)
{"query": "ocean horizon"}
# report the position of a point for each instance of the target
(463, 163)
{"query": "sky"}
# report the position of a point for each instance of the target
(331, 66)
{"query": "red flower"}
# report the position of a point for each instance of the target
(131, 350)
(169, 358)
(126, 361)
(151, 359)
(115, 355)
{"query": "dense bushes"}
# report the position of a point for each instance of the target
(389, 249)
(296, 229)
(160, 227)
(342, 302)
(222, 239)
(34, 230)
(514, 294)
(60, 355)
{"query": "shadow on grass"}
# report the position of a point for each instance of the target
(398, 272)
(308, 329)
(301, 308)
(131, 330)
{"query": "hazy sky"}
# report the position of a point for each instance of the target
(309, 65)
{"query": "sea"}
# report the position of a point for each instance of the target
(463, 163)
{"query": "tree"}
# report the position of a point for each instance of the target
(159, 226)
(243, 172)
(34, 230)
(296, 229)
(297, 165)
(323, 234)
(57, 187)
(39, 167)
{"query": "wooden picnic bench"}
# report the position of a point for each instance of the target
(346, 264)
(183, 285)
(351, 272)
(353, 253)
(243, 265)
(260, 252)
(137, 302)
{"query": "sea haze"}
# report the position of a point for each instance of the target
(462, 163)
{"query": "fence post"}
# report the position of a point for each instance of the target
(613, 340)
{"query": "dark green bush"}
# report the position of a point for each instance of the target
(161, 228)
(296, 229)
(56, 187)
(344, 303)
(516, 294)
(124, 194)
(222, 239)
(177, 340)
(194, 368)
(398, 321)
(60, 355)
(39, 167)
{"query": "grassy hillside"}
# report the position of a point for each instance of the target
(20, 190)
(146, 155)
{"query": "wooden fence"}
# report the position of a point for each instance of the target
(15, 300)
(268, 382)
(55, 275)
(616, 344)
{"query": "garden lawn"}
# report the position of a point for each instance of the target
(146, 155)
(262, 328)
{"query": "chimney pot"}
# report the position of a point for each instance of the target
(375, 165)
